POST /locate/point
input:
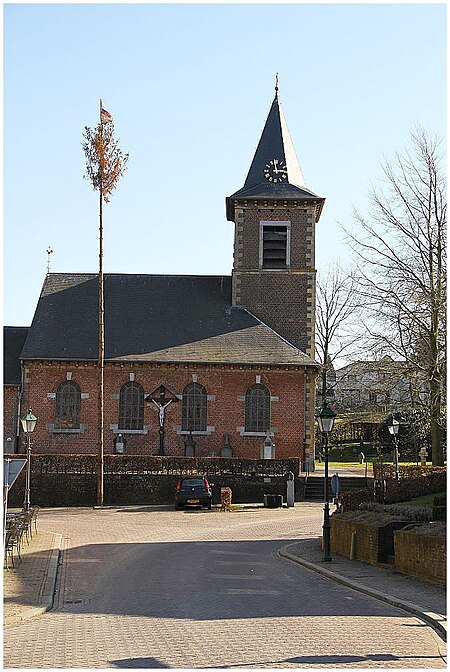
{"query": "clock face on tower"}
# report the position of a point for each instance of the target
(275, 170)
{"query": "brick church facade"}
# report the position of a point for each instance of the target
(235, 353)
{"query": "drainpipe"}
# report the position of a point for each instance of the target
(304, 413)
(19, 404)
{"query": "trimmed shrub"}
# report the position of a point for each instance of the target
(440, 507)
(352, 499)
(387, 470)
(403, 491)
(413, 513)
(71, 480)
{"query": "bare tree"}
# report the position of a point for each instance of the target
(401, 279)
(105, 165)
(335, 313)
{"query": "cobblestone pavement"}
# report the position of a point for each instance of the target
(148, 587)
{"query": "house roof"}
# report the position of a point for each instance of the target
(386, 363)
(275, 142)
(13, 341)
(160, 318)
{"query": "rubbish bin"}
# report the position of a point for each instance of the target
(273, 501)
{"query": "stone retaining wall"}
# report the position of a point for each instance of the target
(421, 555)
(373, 542)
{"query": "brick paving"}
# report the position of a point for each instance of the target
(148, 587)
(386, 579)
(24, 585)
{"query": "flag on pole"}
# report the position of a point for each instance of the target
(105, 116)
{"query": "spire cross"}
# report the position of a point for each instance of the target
(49, 252)
(276, 85)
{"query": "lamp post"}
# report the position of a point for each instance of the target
(326, 420)
(393, 426)
(28, 425)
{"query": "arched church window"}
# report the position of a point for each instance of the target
(194, 408)
(68, 405)
(131, 406)
(257, 409)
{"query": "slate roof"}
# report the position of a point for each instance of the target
(275, 142)
(13, 342)
(160, 318)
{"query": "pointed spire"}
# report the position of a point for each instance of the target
(275, 145)
(275, 171)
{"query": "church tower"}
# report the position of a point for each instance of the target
(274, 243)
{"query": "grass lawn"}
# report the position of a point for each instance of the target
(425, 500)
(369, 463)
(345, 464)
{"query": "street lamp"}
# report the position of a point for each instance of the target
(326, 420)
(28, 425)
(393, 426)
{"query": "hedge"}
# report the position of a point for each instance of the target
(406, 489)
(387, 470)
(71, 480)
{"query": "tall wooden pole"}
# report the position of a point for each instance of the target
(101, 338)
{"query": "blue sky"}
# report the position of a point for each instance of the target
(190, 86)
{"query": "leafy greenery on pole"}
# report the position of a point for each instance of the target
(105, 165)
(105, 161)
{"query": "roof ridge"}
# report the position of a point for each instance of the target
(136, 275)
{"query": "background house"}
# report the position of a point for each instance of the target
(380, 386)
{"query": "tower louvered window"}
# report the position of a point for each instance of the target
(275, 246)
(194, 408)
(257, 409)
(131, 406)
(68, 405)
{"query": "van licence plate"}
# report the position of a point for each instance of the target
(193, 501)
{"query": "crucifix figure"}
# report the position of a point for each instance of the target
(162, 397)
(162, 408)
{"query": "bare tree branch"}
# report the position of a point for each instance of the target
(401, 274)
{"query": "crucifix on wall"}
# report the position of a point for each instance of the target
(162, 397)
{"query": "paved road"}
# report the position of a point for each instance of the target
(154, 588)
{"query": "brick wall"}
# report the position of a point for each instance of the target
(421, 555)
(373, 537)
(225, 386)
(10, 409)
(284, 299)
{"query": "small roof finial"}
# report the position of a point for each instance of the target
(276, 85)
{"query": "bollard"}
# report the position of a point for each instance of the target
(353, 546)
(290, 489)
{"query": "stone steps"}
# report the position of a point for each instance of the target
(315, 486)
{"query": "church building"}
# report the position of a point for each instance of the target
(234, 353)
